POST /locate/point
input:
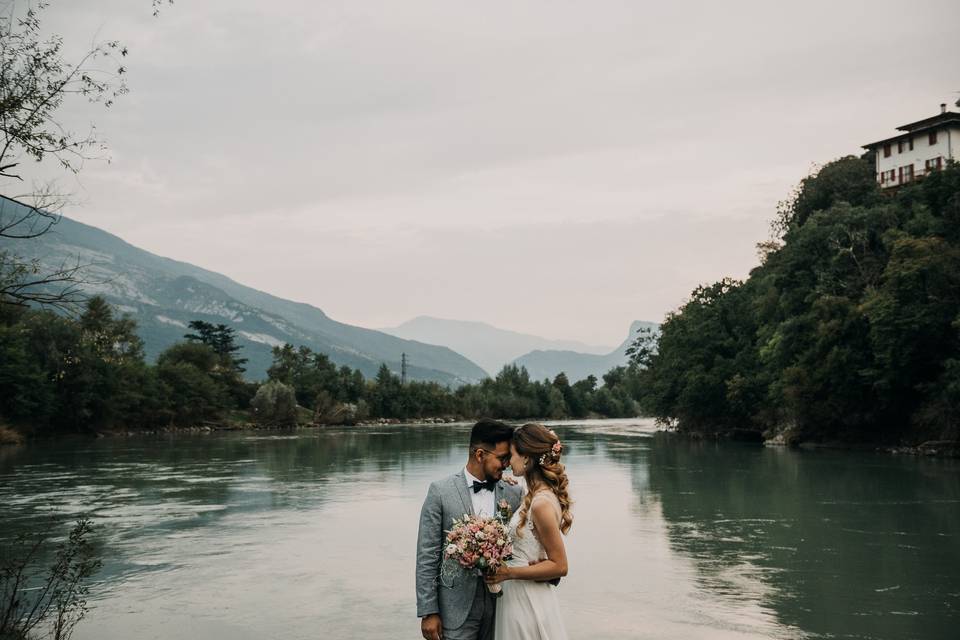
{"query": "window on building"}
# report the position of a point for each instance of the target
(886, 151)
(933, 164)
(933, 137)
(906, 173)
(910, 142)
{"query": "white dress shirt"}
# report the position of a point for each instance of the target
(482, 500)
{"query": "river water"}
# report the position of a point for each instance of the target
(312, 534)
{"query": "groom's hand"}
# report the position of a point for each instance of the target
(431, 627)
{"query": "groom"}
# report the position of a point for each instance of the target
(453, 604)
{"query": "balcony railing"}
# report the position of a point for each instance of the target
(918, 174)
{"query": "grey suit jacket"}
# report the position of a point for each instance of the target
(449, 592)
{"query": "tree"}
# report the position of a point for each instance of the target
(35, 595)
(36, 81)
(643, 347)
(691, 377)
(849, 179)
(221, 339)
(112, 339)
(848, 330)
(193, 389)
(275, 405)
(287, 364)
(25, 391)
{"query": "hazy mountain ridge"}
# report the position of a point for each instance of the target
(163, 295)
(489, 346)
(577, 366)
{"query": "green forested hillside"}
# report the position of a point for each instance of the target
(849, 330)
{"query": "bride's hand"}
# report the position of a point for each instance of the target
(503, 573)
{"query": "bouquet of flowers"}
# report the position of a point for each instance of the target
(479, 544)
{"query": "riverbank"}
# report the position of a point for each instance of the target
(238, 423)
(243, 421)
(14, 436)
(929, 448)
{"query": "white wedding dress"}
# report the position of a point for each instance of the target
(528, 610)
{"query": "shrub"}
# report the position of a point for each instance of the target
(275, 405)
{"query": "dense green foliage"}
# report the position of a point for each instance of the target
(849, 330)
(320, 386)
(275, 404)
(59, 374)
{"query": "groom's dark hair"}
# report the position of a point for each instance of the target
(489, 432)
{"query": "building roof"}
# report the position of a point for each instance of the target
(926, 123)
(933, 122)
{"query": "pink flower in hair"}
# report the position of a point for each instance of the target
(554, 453)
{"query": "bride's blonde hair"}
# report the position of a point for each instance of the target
(542, 447)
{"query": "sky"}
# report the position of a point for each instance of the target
(558, 168)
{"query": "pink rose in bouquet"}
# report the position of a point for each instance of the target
(479, 544)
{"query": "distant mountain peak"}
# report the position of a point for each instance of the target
(548, 363)
(489, 346)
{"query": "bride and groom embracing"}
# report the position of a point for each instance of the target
(455, 604)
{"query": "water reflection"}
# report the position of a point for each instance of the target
(262, 535)
(837, 544)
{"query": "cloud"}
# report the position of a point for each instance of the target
(371, 156)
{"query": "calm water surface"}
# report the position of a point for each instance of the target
(312, 534)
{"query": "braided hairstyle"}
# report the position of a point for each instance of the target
(542, 447)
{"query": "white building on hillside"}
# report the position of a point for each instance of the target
(924, 146)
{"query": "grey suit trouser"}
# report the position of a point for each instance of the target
(479, 622)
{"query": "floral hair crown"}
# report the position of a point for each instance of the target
(554, 454)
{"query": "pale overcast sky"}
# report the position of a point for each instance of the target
(560, 168)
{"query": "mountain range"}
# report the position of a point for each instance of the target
(578, 366)
(492, 347)
(488, 346)
(164, 295)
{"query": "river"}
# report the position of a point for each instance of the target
(311, 534)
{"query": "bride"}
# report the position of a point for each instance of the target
(529, 609)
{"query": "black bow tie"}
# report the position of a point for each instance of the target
(489, 485)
